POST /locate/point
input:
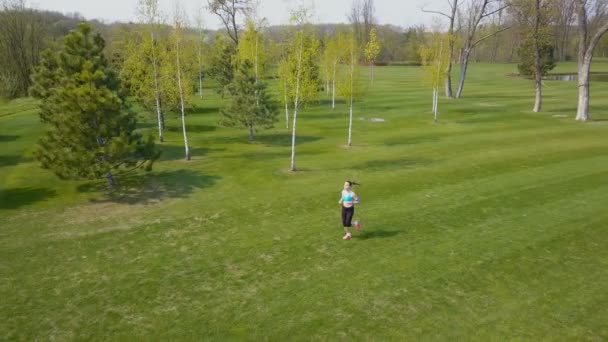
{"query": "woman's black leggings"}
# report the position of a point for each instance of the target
(347, 216)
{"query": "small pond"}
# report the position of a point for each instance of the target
(593, 77)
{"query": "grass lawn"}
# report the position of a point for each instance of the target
(489, 225)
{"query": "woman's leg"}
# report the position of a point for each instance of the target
(348, 217)
(344, 219)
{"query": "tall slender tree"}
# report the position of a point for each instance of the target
(200, 26)
(435, 57)
(149, 12)
(180, 21)
(334, 55)
(372, 50)
(349, 84)
(302, 72)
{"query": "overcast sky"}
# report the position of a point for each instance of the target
(397, 12)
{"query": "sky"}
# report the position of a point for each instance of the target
(403, 13)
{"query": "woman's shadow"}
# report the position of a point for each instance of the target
(377, 234)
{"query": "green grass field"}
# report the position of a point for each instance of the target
(489, 225)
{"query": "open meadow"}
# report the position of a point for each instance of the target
(490, 224)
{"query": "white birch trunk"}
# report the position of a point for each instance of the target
(181, 98)
(350, 123)
(286, 105)
(295, 106)
(333, 95)
(463, 72)
(157, 92)
(436, 105)
(434, 97)
(538, 81)
(200, 71)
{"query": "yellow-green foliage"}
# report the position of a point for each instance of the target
(137, 72)
(252, 48)
(435, 57)
(372, 49)
(349, 72)
(301, 62)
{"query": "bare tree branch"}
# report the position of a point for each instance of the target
(436, 12)
(489, 35)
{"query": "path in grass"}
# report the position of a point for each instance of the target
(489, 224)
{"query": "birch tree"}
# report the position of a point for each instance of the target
(200, 26)
(252, 48)
(149, 12)
(592, 19)
(372, 50)
(435, 57)
(301, 71)
(283, 84)
(349, 82)
(333, 56)
(179, 22)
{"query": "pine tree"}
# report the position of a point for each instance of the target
(91, 131)
(250, 106)
(221, 67)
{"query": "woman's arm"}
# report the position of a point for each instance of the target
(355, 198)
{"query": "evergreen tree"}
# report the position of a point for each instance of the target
(526, 54)
(91, 131)
(221, 67)
(250, 106)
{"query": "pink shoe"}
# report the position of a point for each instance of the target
(357, 225)
(348, 236)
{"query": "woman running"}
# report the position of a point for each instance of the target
(348, 201)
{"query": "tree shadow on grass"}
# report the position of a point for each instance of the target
(7, 138)
(411, 140)
(12, 160)
(18, 197)
(173, 152)
(392, 164)
(270, 155)
(270, 139)
(377, 234)
(283, 139)
(151, 187)
(203, 110)
(191, 128)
